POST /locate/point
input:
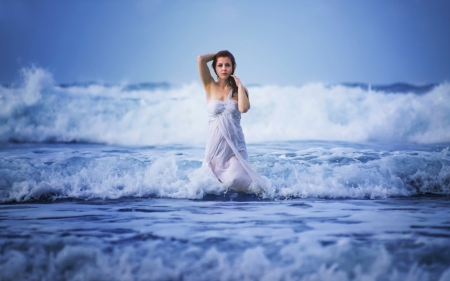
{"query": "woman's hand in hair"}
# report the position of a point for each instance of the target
(238, 81)
(243, 101)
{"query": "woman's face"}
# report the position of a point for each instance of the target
(224, 68)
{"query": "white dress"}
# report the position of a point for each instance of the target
(226, 152)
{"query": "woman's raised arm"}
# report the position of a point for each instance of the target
(203, 70)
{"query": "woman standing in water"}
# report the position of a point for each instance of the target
(226, 98)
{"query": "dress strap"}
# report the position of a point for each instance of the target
(230, 94)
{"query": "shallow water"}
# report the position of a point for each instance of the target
(227, 237)
(334, 211)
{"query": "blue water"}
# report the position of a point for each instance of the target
(339, 211)
(105, 182)
(227, 238)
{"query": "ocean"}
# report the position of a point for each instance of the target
(105, 182)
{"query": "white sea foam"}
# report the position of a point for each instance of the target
(352, 114)
(41, 111)
(86, 171)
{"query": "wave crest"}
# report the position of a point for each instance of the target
(145, 114)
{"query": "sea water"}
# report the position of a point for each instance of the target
(105, 182)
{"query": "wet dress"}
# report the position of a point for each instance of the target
(226, 151)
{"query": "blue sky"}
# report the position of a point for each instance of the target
(284, 42)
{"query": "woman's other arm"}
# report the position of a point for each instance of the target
(243, 101)
(203, 70)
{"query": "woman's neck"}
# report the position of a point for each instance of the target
(223, 83)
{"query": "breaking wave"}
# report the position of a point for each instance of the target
(39, 110)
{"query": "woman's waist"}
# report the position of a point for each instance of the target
(227, 114)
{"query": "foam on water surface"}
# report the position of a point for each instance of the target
(324, 170)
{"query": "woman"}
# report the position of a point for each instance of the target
(227, 98)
